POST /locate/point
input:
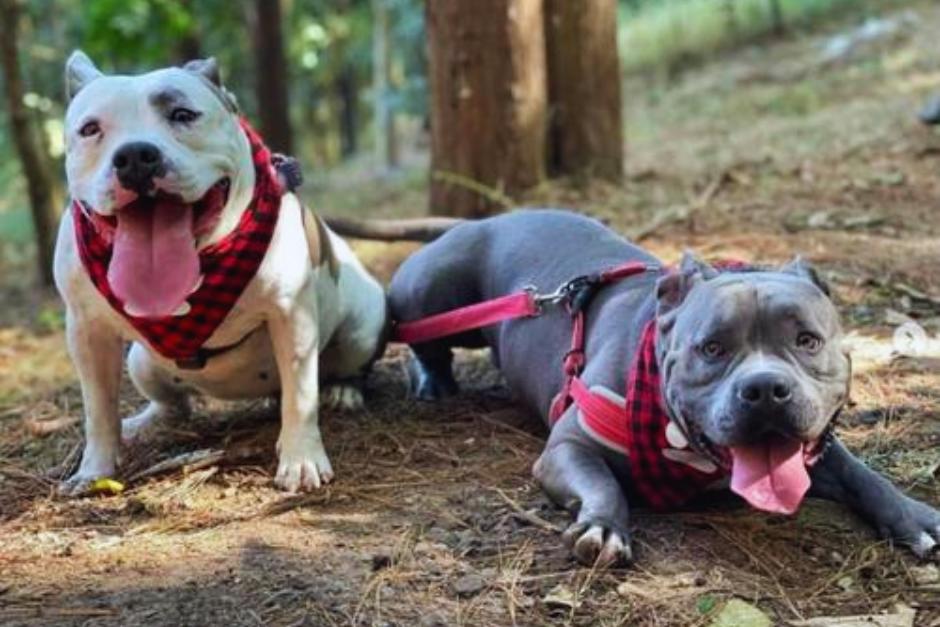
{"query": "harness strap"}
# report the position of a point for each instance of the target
(602, 411)
(518, 305)
(604, 415)
(199, 359)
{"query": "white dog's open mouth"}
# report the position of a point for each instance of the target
(155, 264)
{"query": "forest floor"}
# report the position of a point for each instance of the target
(434, 518)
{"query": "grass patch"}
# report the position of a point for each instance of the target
(670, 33)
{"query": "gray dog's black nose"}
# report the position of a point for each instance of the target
(136, 164)
(765, 390)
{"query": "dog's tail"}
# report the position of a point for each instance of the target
(412, 229)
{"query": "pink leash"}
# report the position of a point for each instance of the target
(524, 304)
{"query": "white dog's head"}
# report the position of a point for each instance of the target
(160, 159)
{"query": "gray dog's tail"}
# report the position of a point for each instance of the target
(411, 229)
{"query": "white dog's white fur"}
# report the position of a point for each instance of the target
(290, 311)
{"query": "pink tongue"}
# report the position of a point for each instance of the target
(155, 264)
(770, 476)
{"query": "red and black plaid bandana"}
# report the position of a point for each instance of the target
(663, 483)
(227, 266)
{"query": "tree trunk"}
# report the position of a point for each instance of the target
(37, 170)
(273, 108)
(347, 93)
(189, 46)
(584, 91)
(386, 137)
(776, 17)
(488, 102)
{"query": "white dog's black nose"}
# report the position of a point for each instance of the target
(764, 390)
(136, 164)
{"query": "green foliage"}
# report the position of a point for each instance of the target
(133, 33)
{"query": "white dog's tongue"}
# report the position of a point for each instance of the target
(155, 264)
(771, 476)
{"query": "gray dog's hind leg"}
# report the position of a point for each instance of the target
(839, 476)
(576, 477)
(430, 371)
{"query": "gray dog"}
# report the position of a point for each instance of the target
(751, 374)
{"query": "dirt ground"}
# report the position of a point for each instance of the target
(433, 518)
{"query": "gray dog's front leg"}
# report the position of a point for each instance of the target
(573, 472)
(841, 477)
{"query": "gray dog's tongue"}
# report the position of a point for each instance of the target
(155, 265)
(770, 476)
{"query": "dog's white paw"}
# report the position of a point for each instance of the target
(81, 482)
(342, 396)
(302, 464)
(596, 544)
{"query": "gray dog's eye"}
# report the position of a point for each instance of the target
(89, 128)
(712, 349)
(182, 115)
(808, 341)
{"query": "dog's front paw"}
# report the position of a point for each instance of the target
(595, 542)
(913, 524)
(97, 463)
(302, 464)
(342, 397)
(81, 483)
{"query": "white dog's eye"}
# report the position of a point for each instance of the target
(89, 129)
(182, 115)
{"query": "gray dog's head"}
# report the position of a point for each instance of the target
(752, 364)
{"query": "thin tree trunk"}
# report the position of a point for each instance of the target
(488, 102)
(386, 137)
(273, 103)
(585, 105)
(347, 93)
(776, 17)
(190, 44)
(40, 184)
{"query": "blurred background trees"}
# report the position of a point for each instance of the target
(470, 102)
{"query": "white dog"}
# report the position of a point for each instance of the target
(180, 239)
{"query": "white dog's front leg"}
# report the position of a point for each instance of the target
(96, 352)
(302, 460)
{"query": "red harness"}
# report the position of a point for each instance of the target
(639, 427)
(227, 267)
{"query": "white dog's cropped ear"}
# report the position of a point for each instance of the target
(672, 289)
(79, 71)
(207, 68)
(799, 267)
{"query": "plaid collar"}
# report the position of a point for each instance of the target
(664, 468)
(227, 266)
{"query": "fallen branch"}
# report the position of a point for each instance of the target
(40, 427)
(680, 213)
(189, 462)
(527, 516)
(409, 229)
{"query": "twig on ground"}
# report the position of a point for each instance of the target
(40, 427)
(533, 519)
(671, 215)
(190, 461)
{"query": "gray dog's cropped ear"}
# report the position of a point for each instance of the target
(672, 289)
(79, 71)
(800, 268)
(207, 68)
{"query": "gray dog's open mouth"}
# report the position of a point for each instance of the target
(155, 265)
(771, 474)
